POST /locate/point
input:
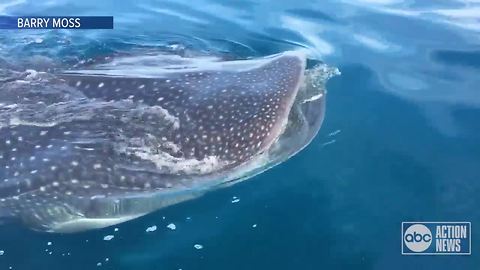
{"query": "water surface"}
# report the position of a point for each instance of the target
(400, 141)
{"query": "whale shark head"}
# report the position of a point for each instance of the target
(91, 148)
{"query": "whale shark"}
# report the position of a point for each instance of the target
(88, 148)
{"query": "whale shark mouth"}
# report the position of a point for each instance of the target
(90, 148)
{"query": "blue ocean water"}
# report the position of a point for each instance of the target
(399, 143)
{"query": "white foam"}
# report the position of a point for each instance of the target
(151, 228)
(329, 142)
(334, 133)
(160, 65)
(16, 121)
(166, 115)
(313, 98)
(177, 165)
(108, 237)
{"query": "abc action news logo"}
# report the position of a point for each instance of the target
(436, 238)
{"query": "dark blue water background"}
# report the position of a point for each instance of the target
(400, 142)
